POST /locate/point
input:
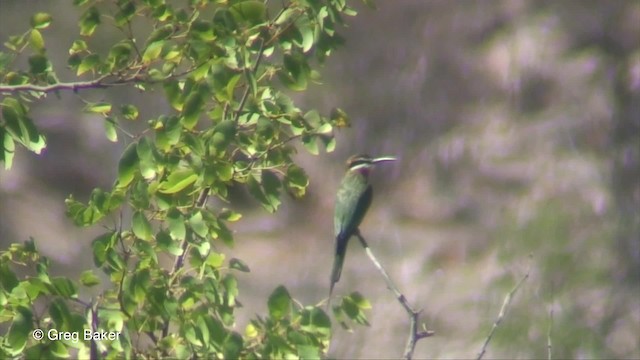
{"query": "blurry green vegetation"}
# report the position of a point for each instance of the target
(167, 285)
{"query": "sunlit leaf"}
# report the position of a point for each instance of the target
(177, 228)
(88, 63)
(36, 41)
(152, 52)
(40, 20)
(279, 303)
(102, 108)
(89, 21)
(130, 112)
(110, 129)
(177, 181)
(127, 165)
(239, 265)
(88, 278)
(251, 11)
(141, 226)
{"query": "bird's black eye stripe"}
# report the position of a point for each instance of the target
(358, 162)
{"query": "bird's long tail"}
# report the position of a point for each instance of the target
(338, 261)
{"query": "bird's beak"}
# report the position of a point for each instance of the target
(383, 159)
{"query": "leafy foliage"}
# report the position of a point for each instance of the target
(218, 65)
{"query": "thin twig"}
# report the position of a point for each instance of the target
(254, 70)
(549, 333)
(74, 86)
(503, 310)
(414, 334)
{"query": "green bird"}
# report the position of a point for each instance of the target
(353, 201)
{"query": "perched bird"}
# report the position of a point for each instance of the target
(352, 203)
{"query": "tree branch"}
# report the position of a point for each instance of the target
(503, 310)
(414, 334)
(98, 83)
(549, 352)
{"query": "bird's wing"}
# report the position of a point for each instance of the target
(352, 209)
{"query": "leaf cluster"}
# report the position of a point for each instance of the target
(161, 278)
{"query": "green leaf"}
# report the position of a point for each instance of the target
(102, 108)
(141, 226)
(316, 321)
(40, 20)
(215, 260)
(192, 108)
(197, 223)
(177, 228)
(310, 142)
(126, 12)
(231, 287)
(145, 152)
(9, 148)
(251, 80)
(110, 129)
(296, 180)
(229, 215)
(239, 265)
(279, 303)
(271, 185)
(38, 64)
(168, 132)
(166, 243)
(128, 165)
(36, 41)
(224, 171)
(173, 93)
(306, 31)
(64, 287)
(251, 11)
(161, 33)
(267, 192)
(353, 306)
(130, 112)
(88, 278)
(295, 72)
(20, 126)
(177, 181)
(78, 46)
(360, 300)
(152, 52)
(119, 54)
(101, 245)
(8, 280)
(224, 133)
(232, 346)
(89, 20)
(308, 352)
(19, 332)
(88, 63)
(202, 30)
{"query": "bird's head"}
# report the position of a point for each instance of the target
(364, 163)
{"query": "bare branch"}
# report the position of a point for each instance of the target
(414, 333)
(503, 310)
(98, 83)
(549, 333)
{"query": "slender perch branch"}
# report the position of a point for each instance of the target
(503, 310)
(549, 333)
(414, 334)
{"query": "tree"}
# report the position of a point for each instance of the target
(218, 64)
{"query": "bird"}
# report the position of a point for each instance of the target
(352, 202)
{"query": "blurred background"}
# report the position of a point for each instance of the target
(517, 126)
